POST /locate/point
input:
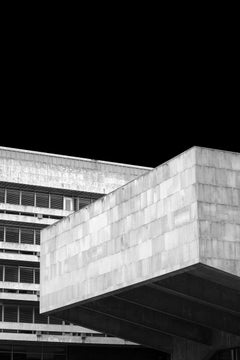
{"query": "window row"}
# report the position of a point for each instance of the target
(41, 199)
(19, 274)
(25, 314)
(20, 235)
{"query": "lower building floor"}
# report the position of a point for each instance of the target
(43, 351)
(46, 351)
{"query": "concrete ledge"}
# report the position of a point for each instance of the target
(18, 297)
(63, 339)
(19, 286)
(34, 210)
(20, 247)
(18, 258)
(26, 219)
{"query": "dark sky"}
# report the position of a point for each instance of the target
(122, 97)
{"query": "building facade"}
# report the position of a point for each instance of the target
(156, 261)
(37, 190)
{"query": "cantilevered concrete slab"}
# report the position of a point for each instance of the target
(156, 261)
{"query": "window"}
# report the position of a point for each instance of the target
(13, 196)
(2, 195)
(26, 314)
(27, 236)
(11, 273)
(1, 272)
(37, 276)
(26, 275)
(1, 233)
(56, 201)
(55, 321)
(12, 234)
(39, 318)
(28, 198)
(68, 204)
(37, 241)
(10, 313)
(42, 200)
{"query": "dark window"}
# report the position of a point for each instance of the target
(10, 313)
(37, 276)
(55, 321)
(13, 196)
(42, 200)
(39, 318)
(27, 198)
(1, 233)
(83, 202)
(12, 234)
(56, 201)
(27, 236)
(11, 273)
(1, 272)
(26, 314)
(2, 195)
(26, 275)
(37, 237)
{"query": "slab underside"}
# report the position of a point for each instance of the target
(199, 304)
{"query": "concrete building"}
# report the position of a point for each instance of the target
(156, 261)
(37, 190)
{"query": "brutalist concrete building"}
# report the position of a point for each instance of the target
(36, 191)
(156, 261)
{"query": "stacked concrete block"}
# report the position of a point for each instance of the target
(142, 230)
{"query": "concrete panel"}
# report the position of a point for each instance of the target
(218, 188)
(64, 172)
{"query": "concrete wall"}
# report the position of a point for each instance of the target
(218, 189)
(145, 229)
(56, 171)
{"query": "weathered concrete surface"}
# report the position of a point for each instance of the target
(64, 172)
(145, 229)
(180, 218)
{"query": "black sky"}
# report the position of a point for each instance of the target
(119, 96)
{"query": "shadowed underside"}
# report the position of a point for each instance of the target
(199, 304)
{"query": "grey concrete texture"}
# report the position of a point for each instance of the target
(182, 213)
(64, 172)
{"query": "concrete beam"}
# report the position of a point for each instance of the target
(162, 300)
(224, 278)
(202, 289)
(123, 329)
(144, 317)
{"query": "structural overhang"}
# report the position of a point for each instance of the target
(156, 261)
